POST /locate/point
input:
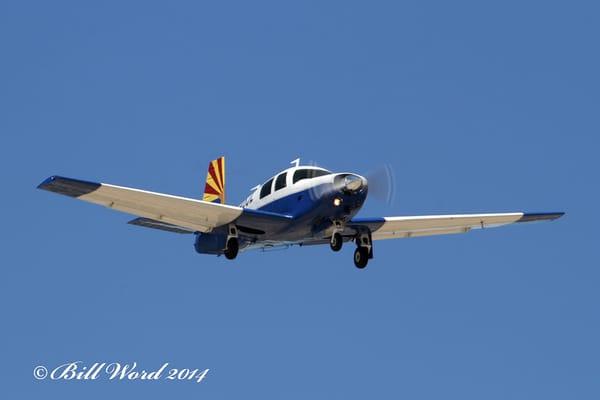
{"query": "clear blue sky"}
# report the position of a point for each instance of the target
(477, 107)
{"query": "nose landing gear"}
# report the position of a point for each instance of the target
(336, 242)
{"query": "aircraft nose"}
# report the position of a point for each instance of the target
(354, 183)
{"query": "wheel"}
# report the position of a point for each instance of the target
(361, 257)
(232, 248)
(336, 242)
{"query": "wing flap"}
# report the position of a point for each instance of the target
(163, 226)
(403, 235)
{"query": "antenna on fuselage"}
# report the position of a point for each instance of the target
(296, 162)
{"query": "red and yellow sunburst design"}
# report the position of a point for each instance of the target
(214, 190)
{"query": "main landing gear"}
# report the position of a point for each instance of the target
(364, 250)
(232, 248)
(361, 257)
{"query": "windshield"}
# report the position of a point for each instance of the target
(307, 173)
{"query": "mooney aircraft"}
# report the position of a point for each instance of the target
(302, 205)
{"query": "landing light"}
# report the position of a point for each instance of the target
(337, 201)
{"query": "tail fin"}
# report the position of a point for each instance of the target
(214, 189)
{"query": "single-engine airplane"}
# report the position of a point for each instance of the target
(302, 205)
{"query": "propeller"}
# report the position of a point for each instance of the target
(382, 183)
(380, 180)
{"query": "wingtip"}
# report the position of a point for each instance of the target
(546, 216)
(46, 182)
(68, 186)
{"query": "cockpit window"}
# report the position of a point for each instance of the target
(307, 173)
(266, 188)
(280, 181)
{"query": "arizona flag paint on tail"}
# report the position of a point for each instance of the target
(214, 189)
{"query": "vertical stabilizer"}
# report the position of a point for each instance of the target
(214, 189)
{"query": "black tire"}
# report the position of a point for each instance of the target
(361, 257)
(336, 242)
(232, 248)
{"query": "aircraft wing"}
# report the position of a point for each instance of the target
(163, 211)
(427, 225)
